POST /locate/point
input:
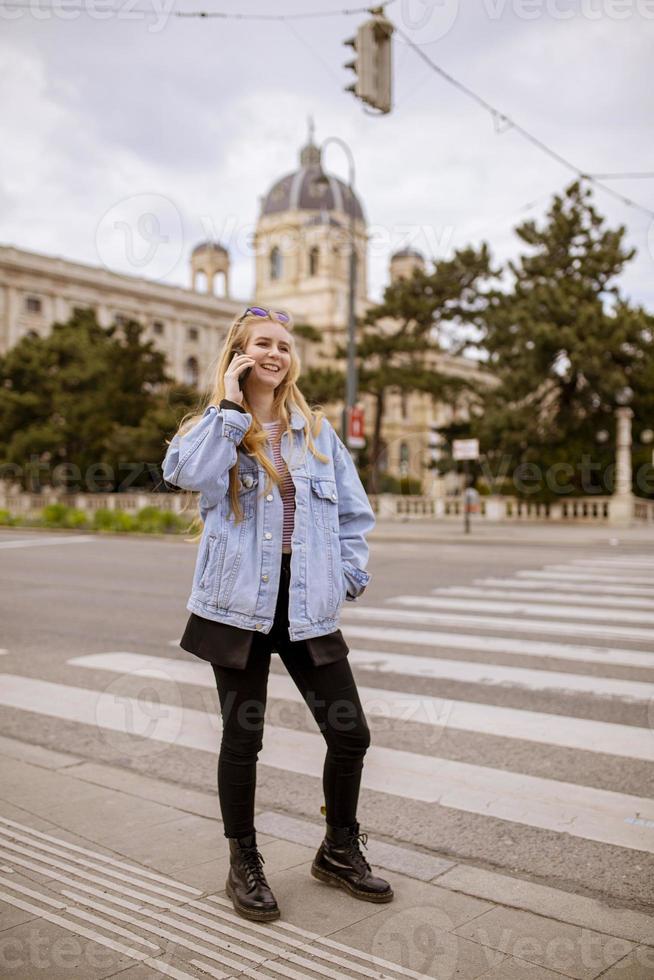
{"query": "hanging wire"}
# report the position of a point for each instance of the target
(503, 121)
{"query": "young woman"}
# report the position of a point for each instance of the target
(274, 566)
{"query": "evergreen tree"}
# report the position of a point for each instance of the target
(86, 408)
(398, 338)
(563, 341)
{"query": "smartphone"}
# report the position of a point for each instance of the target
(243, 376)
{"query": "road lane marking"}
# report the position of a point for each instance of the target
(638, 634)
(191, 672)
(579, 587)
(57, 539)
(523, 608)
(564, 573)
(438, 713)
(563, 807)
(619, 563)
(546, 600)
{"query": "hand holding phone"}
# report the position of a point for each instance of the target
(236, 375)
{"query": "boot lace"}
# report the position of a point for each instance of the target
(355, 851)
(253, 860)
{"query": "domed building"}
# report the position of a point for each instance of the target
(302, 258)
(302, 244)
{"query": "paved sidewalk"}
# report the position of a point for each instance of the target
(107, 873)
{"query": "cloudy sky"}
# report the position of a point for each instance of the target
(130, 134)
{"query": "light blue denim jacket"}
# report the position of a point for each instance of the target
(237, 571)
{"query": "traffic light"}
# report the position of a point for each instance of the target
(372, 65)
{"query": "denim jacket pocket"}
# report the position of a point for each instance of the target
(324, 502)
(206, 566)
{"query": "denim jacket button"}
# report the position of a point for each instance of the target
(268, 535)
(264, 578)
(269, 497)
(258, 626)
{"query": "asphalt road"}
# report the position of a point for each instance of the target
(508, 681)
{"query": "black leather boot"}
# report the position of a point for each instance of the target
(339, 862)
(246, 882)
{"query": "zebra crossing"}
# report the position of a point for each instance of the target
(564, 629)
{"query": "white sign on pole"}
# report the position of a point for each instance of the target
(465, 449)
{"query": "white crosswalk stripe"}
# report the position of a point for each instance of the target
(563, 573)
(535, 587)
(546, 599)
(522, 608)
(465, 671)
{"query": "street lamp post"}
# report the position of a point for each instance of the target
(351, 382)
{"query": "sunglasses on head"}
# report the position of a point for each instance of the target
(262, 311)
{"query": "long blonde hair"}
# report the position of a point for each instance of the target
(287, 396)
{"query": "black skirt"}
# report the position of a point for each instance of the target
(231, 646)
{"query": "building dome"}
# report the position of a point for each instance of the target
(298, 191)
(210, 247)
(408, 253)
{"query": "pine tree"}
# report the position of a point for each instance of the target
(398, 337)
(563, 341)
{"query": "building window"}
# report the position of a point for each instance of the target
(121, 320)
(191, 372)
(158, 328)
(275, 263)
(33, 304)
(314, 258)
(192, 333)
(404, 403)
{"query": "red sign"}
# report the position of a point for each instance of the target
(356, 427)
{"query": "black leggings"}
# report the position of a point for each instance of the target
(331, 694)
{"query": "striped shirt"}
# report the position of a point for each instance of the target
(287, 486)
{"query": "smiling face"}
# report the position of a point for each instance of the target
(269, 345)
